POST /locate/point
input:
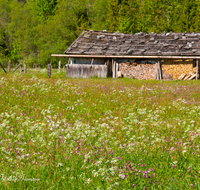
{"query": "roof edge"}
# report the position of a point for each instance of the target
(129, 57)
(75, 41)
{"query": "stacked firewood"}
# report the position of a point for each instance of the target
(138, 71)
(179, 69)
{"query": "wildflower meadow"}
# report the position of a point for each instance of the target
(61, 133)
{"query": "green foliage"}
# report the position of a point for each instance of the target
(32, 30)
(44, 8)
(14, 53)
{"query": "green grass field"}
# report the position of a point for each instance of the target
(63, 133)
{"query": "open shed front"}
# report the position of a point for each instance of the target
(168, 69)
(138, 68)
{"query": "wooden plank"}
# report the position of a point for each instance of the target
(92, 61)
(182, 76)
(192, 77)
(86, 71)
(158, 74)
(197, 69)
(3, 68)
(17, 67)
(187, 77)
(160, 69)
(108, 69)
(114, 63)
(112, 67)
(117, 68)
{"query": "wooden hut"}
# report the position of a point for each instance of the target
(141, 55)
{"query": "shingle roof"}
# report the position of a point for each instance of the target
(147, 44)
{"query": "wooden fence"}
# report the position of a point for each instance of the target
(86, 71)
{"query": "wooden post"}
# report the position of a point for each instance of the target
(114, 68)
(112, 63)
(158, 74)
(117, 68)
(25, 71)
(9, 66)
(3, 68)
(197, 69)
(59, 66)
(108, 66)
(17, 67)
(21, 68)
(64, 67)
(160, 69)
(49, 70)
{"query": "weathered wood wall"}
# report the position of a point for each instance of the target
(86, 71)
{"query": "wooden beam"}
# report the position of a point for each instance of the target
(17, 67)
(127, 56)
(3, 68)
(92, 61)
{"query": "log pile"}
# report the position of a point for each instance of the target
(179, 69)
(171, 70)
(137, 70)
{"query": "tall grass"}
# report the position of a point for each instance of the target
(63, 133)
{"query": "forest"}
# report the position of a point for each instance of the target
(31, 30)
